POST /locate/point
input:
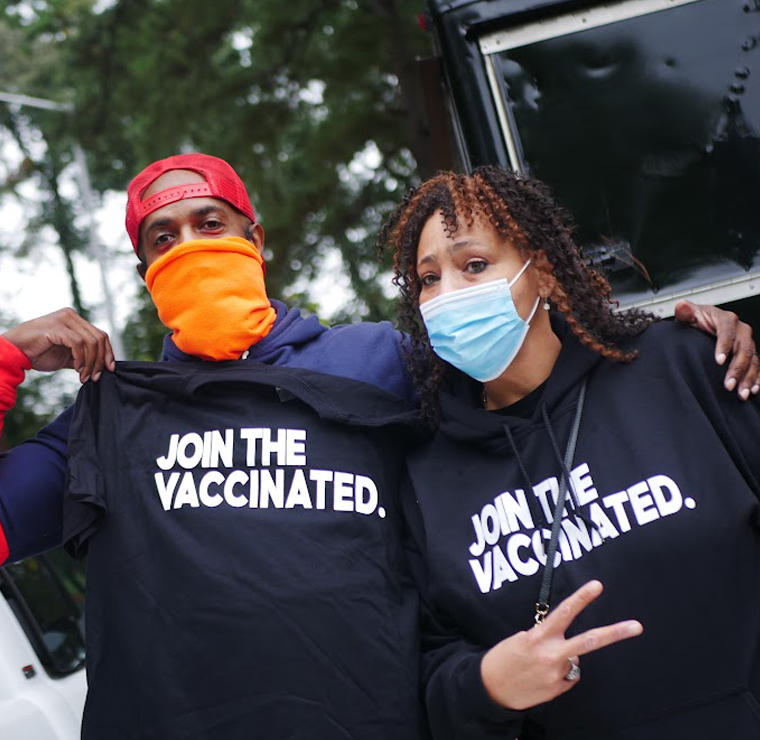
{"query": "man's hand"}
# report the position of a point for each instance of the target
(530, 667)
(64, 339)
(734, 338)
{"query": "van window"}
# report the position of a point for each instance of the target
(46, 593)
(647, 133)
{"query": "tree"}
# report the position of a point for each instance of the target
(34, 409)
(292, 93)
(316, 103)
(32, 65)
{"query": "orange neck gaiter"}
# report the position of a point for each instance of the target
(211, 292)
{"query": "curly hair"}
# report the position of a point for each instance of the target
(522, 211)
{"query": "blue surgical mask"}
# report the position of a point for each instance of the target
(478, 329)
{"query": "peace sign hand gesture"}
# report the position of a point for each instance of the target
(534, 666)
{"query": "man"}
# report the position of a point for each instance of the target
(245, 576)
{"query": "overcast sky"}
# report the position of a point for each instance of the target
(38, 284)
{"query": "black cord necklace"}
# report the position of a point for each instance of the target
(542, 605)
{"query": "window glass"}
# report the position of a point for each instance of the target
(47, 595)
(647, 130)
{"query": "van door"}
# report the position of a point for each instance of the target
(642, 115)
(42, 678)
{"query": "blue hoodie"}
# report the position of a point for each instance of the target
(33, 474)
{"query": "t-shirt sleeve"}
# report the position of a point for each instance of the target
(84, 502)
(458, 705)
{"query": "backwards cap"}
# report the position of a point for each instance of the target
(221, 182)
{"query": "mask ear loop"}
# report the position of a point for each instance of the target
(535, 306)
(517, 277)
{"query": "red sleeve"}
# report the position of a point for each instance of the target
(13, 364)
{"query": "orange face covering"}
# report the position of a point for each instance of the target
(211, 293)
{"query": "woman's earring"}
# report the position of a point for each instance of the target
(546, 304)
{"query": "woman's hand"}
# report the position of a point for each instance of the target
(734, 338)
(529, 667)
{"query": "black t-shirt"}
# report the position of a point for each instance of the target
(245, 573)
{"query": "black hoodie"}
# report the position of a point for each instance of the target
(665, 514)
(245, 574)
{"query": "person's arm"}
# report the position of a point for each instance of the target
(13, 366)
(736, 424)
(64, 339)
(734, 340)
(33, 474)
(458, 704)
(471, 692)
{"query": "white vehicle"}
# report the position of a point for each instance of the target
(42, 677)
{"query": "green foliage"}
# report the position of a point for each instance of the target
(32, 64)
(315, 102)
(40, 399)
(289, 92)
(143, 335)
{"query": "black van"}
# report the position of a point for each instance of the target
(643, 116)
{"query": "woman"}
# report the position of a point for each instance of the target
(662, 504)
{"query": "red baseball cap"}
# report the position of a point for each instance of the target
(221, 182)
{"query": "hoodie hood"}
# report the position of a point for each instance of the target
(463, 417)
(367, 352)
(290, 329)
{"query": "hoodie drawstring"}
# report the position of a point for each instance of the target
(542, 605)
(565, 465)
(535, 510)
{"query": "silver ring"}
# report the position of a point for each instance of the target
(575, 671)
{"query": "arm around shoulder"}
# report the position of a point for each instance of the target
(688, 357)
